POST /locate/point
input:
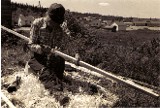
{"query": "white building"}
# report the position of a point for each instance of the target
(28, 20)
(115, 25)
(96, 23)
(25, 21)
(21, 20)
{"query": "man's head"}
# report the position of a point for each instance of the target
(56, 13)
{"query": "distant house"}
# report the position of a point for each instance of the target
(128, 23)
(28, 20)
(121, 25)
(21, 20)
(16, 14)
(87, 18)
(153, 23)
(25, 20)
(95, 23)
(104, 23)
(115, 26)
(140, 23)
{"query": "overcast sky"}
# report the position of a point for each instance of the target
(126, 8)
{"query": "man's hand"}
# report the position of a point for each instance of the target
(36, 48)
(46, 49)
(40, 48)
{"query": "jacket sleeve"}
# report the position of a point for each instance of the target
(34, 33)
(65, 29)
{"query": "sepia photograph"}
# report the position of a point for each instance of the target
(80, 53)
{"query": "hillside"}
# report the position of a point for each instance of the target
(84, 18)
(132, 54)
(79, 85)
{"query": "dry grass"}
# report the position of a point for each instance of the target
(77, 92)
(32, 93)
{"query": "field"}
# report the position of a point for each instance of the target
(142, 27)
(133, 54)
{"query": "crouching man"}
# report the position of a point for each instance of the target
(46, 33)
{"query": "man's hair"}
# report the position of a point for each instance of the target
(56, 13)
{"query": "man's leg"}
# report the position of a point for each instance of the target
(57, 65)
(35, 66)
(39, 69)
(43, 72)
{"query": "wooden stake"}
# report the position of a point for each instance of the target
(9, 103)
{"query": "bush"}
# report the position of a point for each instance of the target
(8, 38)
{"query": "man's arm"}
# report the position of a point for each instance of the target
(34, 32)
(65, 28)
(34, 35)
(67, 31)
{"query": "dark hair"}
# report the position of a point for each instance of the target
(56, 13)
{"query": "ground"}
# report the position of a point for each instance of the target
(122, 54)
(78, 93)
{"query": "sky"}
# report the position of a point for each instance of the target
(125, 8)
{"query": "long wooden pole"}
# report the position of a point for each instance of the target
(9, 103)
(88, 66)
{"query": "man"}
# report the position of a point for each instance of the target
(46, 33)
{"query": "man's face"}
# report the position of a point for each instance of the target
(51, 24)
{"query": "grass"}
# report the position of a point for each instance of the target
(13, 56)
(78, 92)
(133, 54)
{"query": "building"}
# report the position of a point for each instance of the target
(104, 23)
(87, 18)
(21, 20)
(25, 20)
(128, 23)
(153, 23)
(16, 15)
(115, 26)
(121, 25)
(139, 23)
(150, 23)
(29, 20)
(95, 23)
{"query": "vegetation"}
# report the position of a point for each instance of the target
(15, 6)
(125, 56)
(133, 54)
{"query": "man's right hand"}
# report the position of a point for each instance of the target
(46, 49)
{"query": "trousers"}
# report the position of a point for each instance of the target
(45, 65)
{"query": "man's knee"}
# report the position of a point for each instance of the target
(35, 66)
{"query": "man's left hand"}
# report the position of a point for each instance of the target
(46, 49)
